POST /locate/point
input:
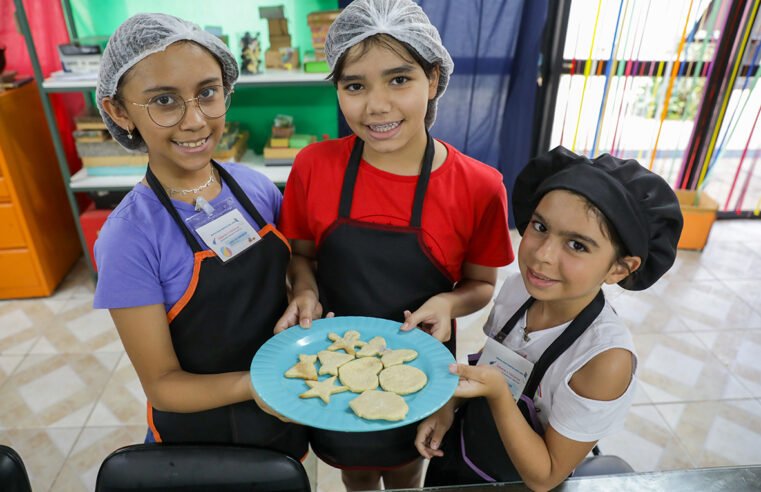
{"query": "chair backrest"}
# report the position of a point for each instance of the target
(190, 467)
(13, 477)
(602, 465)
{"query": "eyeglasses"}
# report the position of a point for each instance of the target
(168, 109)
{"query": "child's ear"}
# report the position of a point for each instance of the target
(433, 82)
(622, 268)
(117, 113)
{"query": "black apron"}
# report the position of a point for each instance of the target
(473, 449)
(227, 312)
(366, 269)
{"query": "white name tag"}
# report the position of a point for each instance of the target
(228, 235)
(514, 368)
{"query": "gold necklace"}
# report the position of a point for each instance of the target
(196, 190)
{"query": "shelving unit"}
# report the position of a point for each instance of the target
(80, 182)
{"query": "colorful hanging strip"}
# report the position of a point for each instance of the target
(587, 69)
(670, 87)
(749, 84)
(707, 23)
(572, 72)
(631, 70)
(751, 171)
(740, 164)
(613, 52)
(728, 92)
(729, 11)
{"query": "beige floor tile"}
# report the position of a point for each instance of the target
(710, 306)
(732, 260)
(8, 364)
(678, 367)
(646, 312)
(79, 282)
(647, 443)
(123, 401)
(78, 328)
(43, 452)
(328, 478)
(94, 444)
(740, 351)
(22, 322)
(54, 390)
(717, 433)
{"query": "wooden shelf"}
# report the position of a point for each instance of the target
(80, 181)
(269, 78)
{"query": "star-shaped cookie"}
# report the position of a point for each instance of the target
(347, 342)
(304, 368)
(331, 361)
(322, 389)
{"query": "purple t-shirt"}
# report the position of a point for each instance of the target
(142, 256)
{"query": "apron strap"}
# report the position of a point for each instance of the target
(350, 178)
(500, 337)
(160, 192)
(240, 195)
(235, 188)
(422, 184)
(556, 348)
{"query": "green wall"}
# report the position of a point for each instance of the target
(314, 108)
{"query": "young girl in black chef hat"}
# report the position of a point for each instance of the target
(557, 372)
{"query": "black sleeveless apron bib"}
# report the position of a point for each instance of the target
(473, 449)
(377, 270)
(227, 312)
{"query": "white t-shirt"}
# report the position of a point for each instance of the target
(573, 416)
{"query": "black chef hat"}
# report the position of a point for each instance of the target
(639, 204)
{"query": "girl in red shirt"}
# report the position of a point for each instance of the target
(390, 222)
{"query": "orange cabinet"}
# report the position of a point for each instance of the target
(38, 238)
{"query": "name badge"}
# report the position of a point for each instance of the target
(225, 231)
(514, 368)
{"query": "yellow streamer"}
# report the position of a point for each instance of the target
(670, 87)
(587, 69)
(728, 93)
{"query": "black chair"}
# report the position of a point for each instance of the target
(13, 477)
(191, 467)
(602, 464)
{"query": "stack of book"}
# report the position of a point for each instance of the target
(281, 151)
(101, 155)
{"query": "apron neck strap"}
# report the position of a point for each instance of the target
(160, 192)
(350, 178)
(235, 188)
(240, 195)
(572, 332)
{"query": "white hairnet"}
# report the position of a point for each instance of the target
(403, 20)
(142, 35)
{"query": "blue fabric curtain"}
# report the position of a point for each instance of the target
(487, 111)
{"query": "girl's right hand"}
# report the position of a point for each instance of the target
(266, 408)
(303, 308)
(431, 431)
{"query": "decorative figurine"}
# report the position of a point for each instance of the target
(250, 56)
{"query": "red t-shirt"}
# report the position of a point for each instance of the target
(464, 212)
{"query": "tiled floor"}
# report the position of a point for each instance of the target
(69, 395)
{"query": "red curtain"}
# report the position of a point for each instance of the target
(48, 28)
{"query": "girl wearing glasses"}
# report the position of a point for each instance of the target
(190, 264)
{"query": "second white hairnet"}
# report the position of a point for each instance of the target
(403, 20)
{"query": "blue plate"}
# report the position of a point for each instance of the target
(281, 352)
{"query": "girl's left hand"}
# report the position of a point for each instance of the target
(434, 317)
(475, 381)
